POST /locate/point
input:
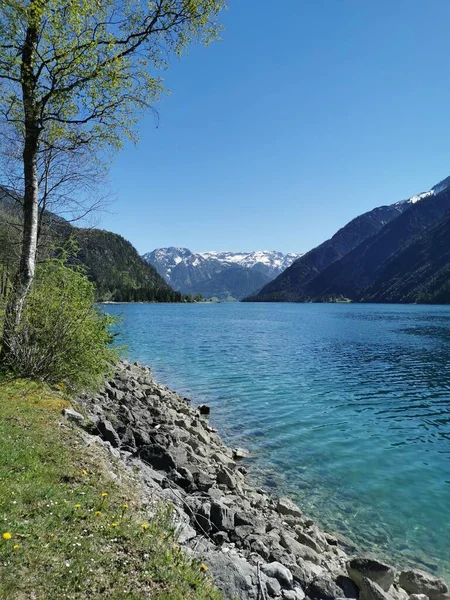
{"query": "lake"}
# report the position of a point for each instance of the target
(345, 407)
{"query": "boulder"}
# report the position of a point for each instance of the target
(128, 442)
(108, 433)
(348, 587)
(73, 415)
(273, 586)
(157, 457)
(234, 576)
(182, 477)
(260, 548)
(370, 590)
(248, 518)
(184, 533)
(204, 409)
(299, 550)
(240, 453)
(416, 581)
(307, 540)
(285, 506)
(202, 481)
(279, 572)
(323, 588)
(418, 597)
(295, 594)
(381, 573)
(222, 517)
(224, 476)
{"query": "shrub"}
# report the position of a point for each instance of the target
(62, 336)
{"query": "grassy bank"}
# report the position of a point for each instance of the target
(71, 525)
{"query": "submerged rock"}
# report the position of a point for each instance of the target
(256, 547)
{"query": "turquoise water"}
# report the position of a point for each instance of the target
(346, 407)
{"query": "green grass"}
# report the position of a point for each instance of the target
(78, 531)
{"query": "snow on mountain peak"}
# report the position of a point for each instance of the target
(196, 271)
(435, 190)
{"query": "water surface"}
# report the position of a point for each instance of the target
(345, 407)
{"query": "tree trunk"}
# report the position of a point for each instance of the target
(25, 274)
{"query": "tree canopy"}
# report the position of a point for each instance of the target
(75, 76)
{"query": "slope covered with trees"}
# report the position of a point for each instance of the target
(289, 285)
(111, 262)
(400, 257)
(118, 271)
(420, 273)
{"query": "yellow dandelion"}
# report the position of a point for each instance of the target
(16, 547)
(114, 524)
(104, 494)
(125, 506)
(203, 567)
(84, 472)
(77, 505)
(98, 513)
(6, 536)
(145, 526)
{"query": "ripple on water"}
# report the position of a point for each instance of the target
(345, 407)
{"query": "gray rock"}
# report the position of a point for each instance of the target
(323, 588)
(370, 590)
(202, 518)
(108, 433)
(202, 481)
(398, 593)
(279, 572)
(157, 457)
(141, 436)
(222, 517)
(240, 453)
(204, 409)
(234, 576)
(221, 537)
(416, 581)
(184, 533)
(260, 548)
(307, 540)
(73, 415)
(273, 586)
(285, 506)
(243, 531)
(295, 594)
(182, 477)
(128, 442)
(224, 476)
(418, 597)
(347, 585)
(246, 518)
(299, 550)
(381, 573)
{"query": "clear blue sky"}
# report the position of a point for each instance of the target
(306, 114)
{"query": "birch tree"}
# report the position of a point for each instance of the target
(77, 74)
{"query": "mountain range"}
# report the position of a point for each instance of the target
(224, 275)
(393, 253)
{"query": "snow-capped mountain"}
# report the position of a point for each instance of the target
(220, 274)
(435, 190)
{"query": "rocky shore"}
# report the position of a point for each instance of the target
(254, 545)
